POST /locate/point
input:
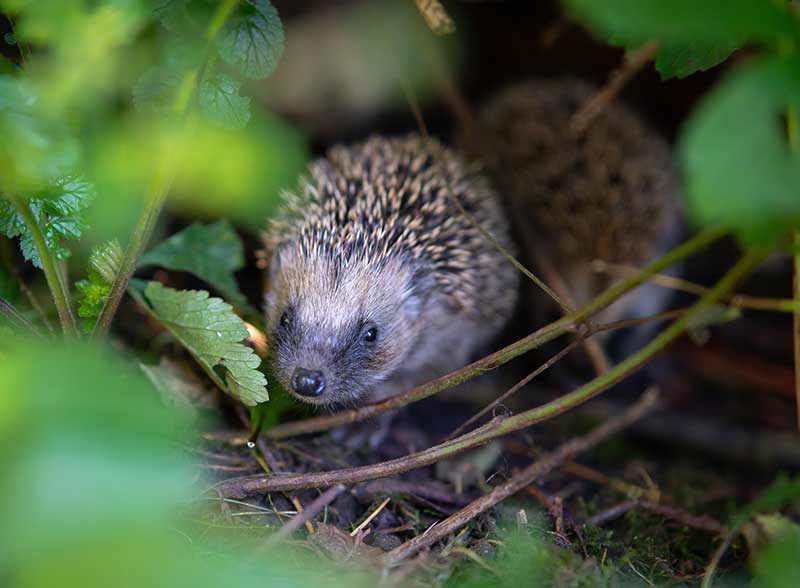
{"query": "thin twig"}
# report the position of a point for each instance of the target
(301, 518)
(701, 522)
(501, 357)
(742, 301)
(526, 477)
(8, 260)
(632, 64)
(16, 318)
(594, 350)
(516, 387)
(667, 315)
(371, 517)
(717, 557)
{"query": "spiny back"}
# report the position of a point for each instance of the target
(385, 200)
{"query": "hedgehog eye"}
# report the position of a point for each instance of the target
(371, 334)
(285, 320)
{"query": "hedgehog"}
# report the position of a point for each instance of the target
(377, 281)
(609, 192)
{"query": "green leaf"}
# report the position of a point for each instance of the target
(170, 13)
(680, 60)
(212, 333)
(104, 263)
(35, 148)
(252, 39)
(633, 22)
(155, 90)
(101, 429)
(777, 564)
(739, 169)
(58, 209)
(212, 252)
(220, 101)
(179, 386)
(693, 36)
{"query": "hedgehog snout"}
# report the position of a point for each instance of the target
(309, 383)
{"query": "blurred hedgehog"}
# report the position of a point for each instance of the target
(609, 192)
(376, 282)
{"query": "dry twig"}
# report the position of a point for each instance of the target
(526, 477)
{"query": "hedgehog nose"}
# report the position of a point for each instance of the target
(308, 382)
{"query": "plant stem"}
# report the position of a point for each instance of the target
(51, 270)
(162, 181)
(796, 324)
(154, 202)
(793, 134)
(497, 427)
(743, 301)
(495, 360)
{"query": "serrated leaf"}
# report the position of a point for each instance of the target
(681, 60)
(212, 252)
(104, 263)
(739, 169)
(58, 209)
(221, 102)
(252, 39)
(213, 334)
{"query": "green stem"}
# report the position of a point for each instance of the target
(499, 426)
(51, 270)
(154, 202)
(160, 186)
(495, 360)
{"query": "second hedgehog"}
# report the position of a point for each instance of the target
(376, 282)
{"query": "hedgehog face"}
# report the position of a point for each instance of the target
(338, 329)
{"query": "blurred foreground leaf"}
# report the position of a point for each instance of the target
(212, 333)
(97, 491)
(685, 21)
(739, 169)
(237, 174)
(91, 476)
(693, 36)
(777, 564)
(681, 60)
(36, 148)
(212, 252)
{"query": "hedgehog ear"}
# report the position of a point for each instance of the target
(418, 295)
